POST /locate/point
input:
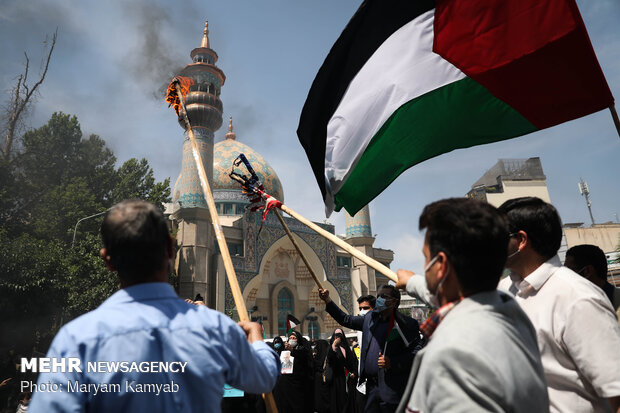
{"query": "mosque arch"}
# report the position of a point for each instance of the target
(262, 290)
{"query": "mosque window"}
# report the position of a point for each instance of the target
(343, 261)
(228, 209)
(313, 330)
(285, 306)
(235, 248)
(239, 209)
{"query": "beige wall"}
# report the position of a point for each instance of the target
(280, 268)
(516, 189)
(605, 236)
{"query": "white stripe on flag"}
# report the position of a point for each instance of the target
(402, 68)
(401, 334)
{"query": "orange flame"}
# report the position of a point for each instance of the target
(171, 94)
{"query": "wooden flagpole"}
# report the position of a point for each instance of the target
(342, 244)
(219, 234)
(301, 254)
(614, 116)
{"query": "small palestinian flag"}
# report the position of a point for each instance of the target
(394, 333)
(409, 80)
(291, 323)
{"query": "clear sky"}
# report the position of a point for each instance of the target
(113, 56)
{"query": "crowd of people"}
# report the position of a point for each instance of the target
(546, 338)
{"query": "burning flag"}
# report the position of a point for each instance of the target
(171, 94)
(254, 190)
(409, 80)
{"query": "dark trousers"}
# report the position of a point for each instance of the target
(374, 404)
(360, 402)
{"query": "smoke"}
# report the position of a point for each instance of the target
(156, 59)
(253, 125)
(245, 119)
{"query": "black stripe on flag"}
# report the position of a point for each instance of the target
(372, 24)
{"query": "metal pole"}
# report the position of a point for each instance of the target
(83, 219)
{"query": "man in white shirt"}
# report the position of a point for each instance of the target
(482, 353)
(577, 331)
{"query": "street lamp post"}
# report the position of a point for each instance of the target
(84, 219)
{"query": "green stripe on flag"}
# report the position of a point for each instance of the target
(459, 115)
(392, 336)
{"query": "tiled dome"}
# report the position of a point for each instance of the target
(224, 153)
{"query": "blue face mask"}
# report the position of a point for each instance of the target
(277, 345)
(380, 304)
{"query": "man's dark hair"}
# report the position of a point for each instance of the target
(474, 237)
(370, 298)
(393, 292)
(136, 237)
(540, 221)
(587, 254)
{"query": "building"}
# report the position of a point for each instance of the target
(511, 178)
(274, 280)
(605, 236)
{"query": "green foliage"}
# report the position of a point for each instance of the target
(88, 280)
(135, 179)
(31, 279)
(56, 178)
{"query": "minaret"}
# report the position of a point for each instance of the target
(359, 234)
(195, 234)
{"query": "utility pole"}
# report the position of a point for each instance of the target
(585, 191)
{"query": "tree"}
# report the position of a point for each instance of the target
(135, 179)
(57, 177)
(22, 96)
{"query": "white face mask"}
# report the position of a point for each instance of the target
(363, 312)
(292, 343)
(433, 299)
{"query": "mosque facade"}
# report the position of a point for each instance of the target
(273, 278)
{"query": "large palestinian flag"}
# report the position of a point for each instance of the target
(411, 79)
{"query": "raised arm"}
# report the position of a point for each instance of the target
(342, 318)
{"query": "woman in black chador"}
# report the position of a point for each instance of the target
(343, 365)
(321, 383)
(294, 392)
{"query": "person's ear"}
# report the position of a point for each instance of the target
(523, 239)
(444, 265)
(106, 259)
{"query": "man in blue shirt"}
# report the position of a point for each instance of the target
(144, 349)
